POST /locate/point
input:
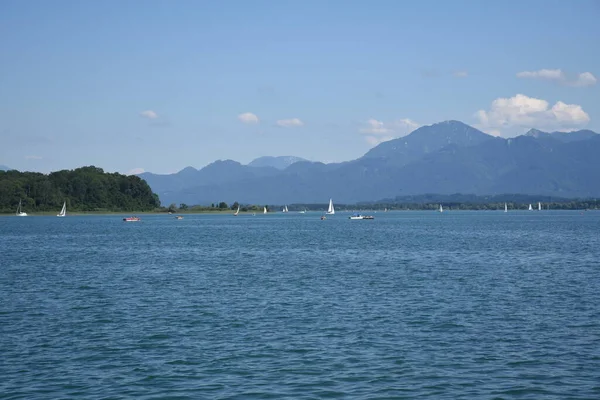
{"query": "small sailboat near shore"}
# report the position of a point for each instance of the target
(505, 207)
(237, 211)
(20, 212)
(441, 209)
(330, 209)
(63, 211)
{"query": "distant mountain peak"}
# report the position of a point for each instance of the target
(280, 162)
(428, 139)
(565, 137)
(536, 133)
(188, 169)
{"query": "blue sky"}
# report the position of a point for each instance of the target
(161, 85)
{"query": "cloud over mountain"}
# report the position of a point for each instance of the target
(378, 132)
(522, 111)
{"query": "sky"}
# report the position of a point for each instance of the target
(161, 85)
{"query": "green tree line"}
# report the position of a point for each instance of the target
(84, 189)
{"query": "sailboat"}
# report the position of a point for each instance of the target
(63, 211)
(530, 208)
(539, 206)
(303, 211)
(441, 209)
(265, 210)
(505, 208)
(20, 212)
(330, 209)
(285, 209)
(237, 211)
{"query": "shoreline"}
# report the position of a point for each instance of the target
(128, 213)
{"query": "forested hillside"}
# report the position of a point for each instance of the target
(84, 189)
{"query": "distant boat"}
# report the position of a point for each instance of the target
(302, 212)
(530, 208)
(441, 209)
(385, 210)
(237, 211)
(330, 209)
(505, 208)
(63, 211)
(20, 212)
(539, 206)
(131, 219)
(265, 210)
(285, 209)
(360, 216)
(179, 217)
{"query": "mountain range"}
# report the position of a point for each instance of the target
(281, 162)
(445, 158)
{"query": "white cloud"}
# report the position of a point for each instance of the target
(550, 74)
(521, 111)
(405, 126)
(557, 75)
(585, 79)
(149, 114)
(135, 171)
(378, 131)
(248, 118)
(460, 74)
(288, 123)
(33, 157)
(375, 127)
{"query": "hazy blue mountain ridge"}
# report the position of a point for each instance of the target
(445, 158)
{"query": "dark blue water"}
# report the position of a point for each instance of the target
(469, 305)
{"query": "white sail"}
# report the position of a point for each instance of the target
(63, 211)
(539, 206)
(20, 212)
(330, 209)
(265, 210)
(505, 208)
(530, 208)
(237, 211)
(285, 209)
(441, 209)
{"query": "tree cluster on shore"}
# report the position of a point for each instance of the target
(84, 189)
(214, 207)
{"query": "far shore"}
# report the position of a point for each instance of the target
(130, 213)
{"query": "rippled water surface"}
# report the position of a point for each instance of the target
(471, 305)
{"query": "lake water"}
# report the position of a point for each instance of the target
(459, 305)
